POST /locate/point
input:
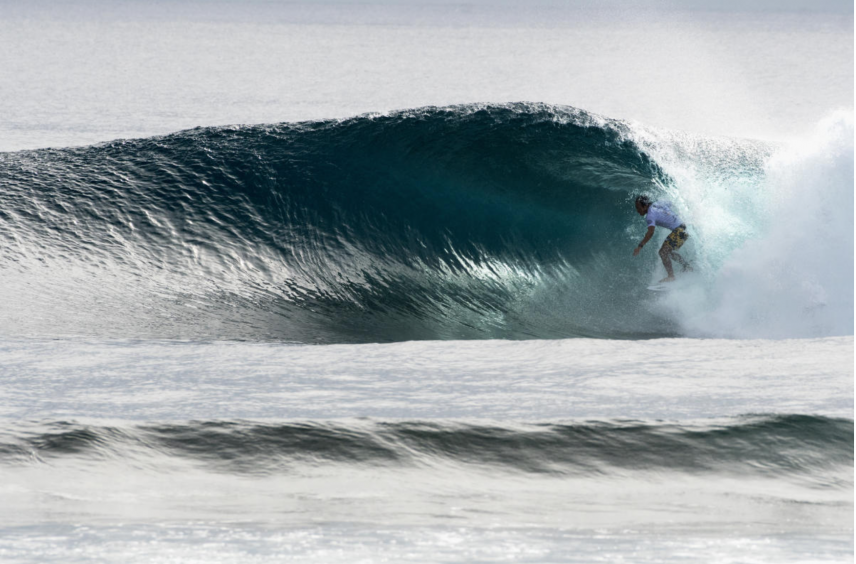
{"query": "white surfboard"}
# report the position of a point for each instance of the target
(663, 287)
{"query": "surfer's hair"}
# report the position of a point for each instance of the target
(643, 201)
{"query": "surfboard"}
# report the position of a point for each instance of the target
(664, 287)
(685, 280)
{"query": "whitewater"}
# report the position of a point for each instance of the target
(354, 283)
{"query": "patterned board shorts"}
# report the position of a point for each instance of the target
(677, 237)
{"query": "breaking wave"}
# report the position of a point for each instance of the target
(512, 221)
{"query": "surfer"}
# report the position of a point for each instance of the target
(660, 214)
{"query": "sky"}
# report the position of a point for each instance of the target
(84, 71)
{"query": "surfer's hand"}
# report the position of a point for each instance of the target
(636, 251)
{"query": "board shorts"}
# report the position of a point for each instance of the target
(677, 237)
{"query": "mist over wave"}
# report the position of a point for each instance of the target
(777, 258)
(512, 221)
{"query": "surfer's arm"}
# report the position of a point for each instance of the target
(647, 238)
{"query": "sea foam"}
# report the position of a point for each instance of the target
(793, 274)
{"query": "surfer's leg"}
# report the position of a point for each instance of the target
(683, 262)
(665, 256)
(673, 242)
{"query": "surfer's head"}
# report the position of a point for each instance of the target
(642, 204)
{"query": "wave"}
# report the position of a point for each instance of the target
(512, 221)
(800, 446)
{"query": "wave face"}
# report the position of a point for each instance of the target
(442, 223)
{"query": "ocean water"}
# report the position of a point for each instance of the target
(344, 282)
